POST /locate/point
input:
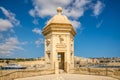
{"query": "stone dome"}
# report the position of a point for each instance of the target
(59, 23)
(59, 18)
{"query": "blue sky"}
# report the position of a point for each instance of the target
(97, 23)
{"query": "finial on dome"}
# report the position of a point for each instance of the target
(59, 10)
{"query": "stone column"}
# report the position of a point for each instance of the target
(56, 67)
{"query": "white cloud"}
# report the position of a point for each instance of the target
(97, 9)
(43, 8)
(74, 9)
(39, 42)
(12, 31)
(5, 25)
(99, 24)
(35, 21)
(10, 16)
(9, 22)
(37, 30)
(9, 46)
(23, 43)
(76, 24)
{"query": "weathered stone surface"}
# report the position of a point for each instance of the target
(59, 42)
(68, 77)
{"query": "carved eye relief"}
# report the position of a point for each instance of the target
(47, 42)
(61, 39)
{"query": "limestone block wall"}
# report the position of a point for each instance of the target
(56, 42)
(112, 72)
(23, 73)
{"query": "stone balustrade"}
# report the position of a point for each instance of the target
(23, 73)
(112, 72)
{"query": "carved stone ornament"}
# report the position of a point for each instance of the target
(47, 42)
(61, 39)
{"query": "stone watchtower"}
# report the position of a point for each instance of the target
(59, 42)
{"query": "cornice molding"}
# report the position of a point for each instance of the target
(56, 27)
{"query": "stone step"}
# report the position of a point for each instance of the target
(61, 71)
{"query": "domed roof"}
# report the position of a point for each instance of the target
(59, 18)
(58, 23)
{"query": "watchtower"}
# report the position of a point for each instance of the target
(59, 42)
